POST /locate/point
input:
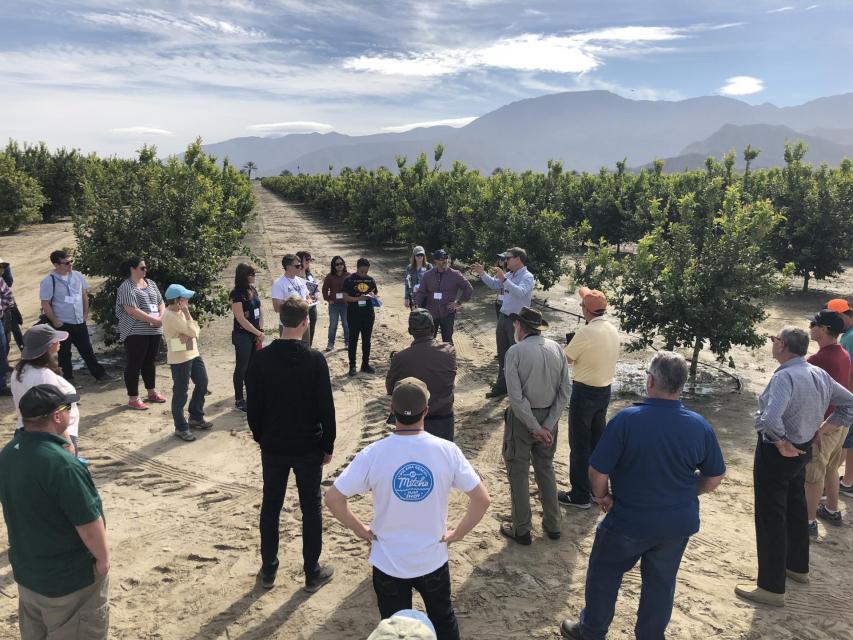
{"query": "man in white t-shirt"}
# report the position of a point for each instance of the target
(410, 474)
(290, 285)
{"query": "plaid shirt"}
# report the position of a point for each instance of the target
(792, 406)
(7, 300)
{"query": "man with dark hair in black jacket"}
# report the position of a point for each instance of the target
(292, 417)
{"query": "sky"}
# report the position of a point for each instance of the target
(110, 76)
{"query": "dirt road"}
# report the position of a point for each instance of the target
(182, 518)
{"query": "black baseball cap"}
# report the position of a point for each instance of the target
(439, 254)
(829, 319)
(44, 399)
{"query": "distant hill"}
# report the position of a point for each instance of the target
(585, 130)
(769, 139)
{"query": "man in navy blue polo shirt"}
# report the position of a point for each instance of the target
(649, 455)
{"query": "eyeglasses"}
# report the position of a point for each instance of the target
(295, 265)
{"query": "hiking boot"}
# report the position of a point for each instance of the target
(571, 629)
(323, 575)
(565, 499)
(366, 368)
(200, 424)
(754, 593)
(845, 489)
(521, 538)
(796, 576)
(353, 371)
(186, 436)
(832, 517)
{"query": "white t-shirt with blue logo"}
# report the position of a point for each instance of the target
(411, 477)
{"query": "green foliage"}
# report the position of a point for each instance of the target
(186, 218)
(21, 197)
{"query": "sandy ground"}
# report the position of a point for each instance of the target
(182, 518)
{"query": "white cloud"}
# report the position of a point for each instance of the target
(742, 86)
(141, 131)
(781, 10)
(812, 6)
(294, 126)
(576, 53)
(449, 122)
(163, 24)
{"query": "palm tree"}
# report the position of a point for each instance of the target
(249, 167)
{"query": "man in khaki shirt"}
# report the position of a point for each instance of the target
(592, 353)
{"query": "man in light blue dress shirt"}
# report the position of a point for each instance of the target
(517, 284)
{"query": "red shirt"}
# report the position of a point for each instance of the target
(834, 359)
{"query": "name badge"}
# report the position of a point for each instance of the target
(416, 287)
(153, 308)
(339, 296)
(362, 303)
(71, 299)
(501, 298)
(154, 314)
(437, 296)
(257, 313)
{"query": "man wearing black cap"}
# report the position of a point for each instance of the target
(54, 517)
(537, 382)
(821, 470)
(410, 474)
(361, 295)
(442, 292)
(434, 363)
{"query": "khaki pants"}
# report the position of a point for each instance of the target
(519, 450)
(81, 615)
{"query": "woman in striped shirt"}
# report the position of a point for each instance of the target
(139, 309)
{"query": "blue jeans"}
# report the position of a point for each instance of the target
(393, 594)
(336, 311)
(612, 555)
(181, 375)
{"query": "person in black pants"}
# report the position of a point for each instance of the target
(291, 414)
(313, 291)
(12, 320)
(247, 336)
(360, 293)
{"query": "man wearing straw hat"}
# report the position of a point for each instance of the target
(537, 382)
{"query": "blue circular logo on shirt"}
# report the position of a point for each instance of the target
(412, 482)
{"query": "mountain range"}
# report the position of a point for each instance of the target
(585, 130)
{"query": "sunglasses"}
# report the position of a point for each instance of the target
(252, 274)
(295, 265)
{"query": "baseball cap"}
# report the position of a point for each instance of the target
(410, 397)
(592, 299)
(4, 263)
(439, 254)
(178, 291)
(44, 399)
(829, 319)
(418, 251)
(38, 339)
(839, 305)
(420, 321)
(405, 624)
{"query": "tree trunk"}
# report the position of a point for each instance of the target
(806, 283)
(694, 362)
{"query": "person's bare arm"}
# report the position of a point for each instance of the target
(707, 484)
(94, 536)
(338, 505)
(600, 485)
(478, 504)
(237, 310)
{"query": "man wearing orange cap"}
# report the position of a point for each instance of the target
(841, 307)
(592, 352)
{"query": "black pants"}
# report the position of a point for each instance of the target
(78, 335)
(308, 470)
(393, 594)
(587, 419)
(504, 339)
(312, 319)
(446, 325)
(244, 351)
(360, 324)
(141, 352)
(440, 426)
(781, 518)
(12, 328)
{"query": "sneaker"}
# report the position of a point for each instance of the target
(565, 499)
(240, 405)
(802, 578)
(268, 579)
(137, 404)
(155, 396)
(107, 377)
(553, 535)
(200, 424)
(366, 368)
(825, 514)
(757, 594)
(186, 436)
(84, 461)
(323, 575)
(813, 528)
(495, 392)
(843, 488)
(353, 371)
(329, 348)
(571, 629)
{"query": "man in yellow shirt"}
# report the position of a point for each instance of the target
(592, 353)
(181, 332)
